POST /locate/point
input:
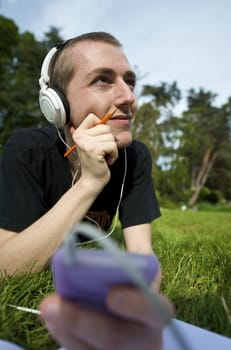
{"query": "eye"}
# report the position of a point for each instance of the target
(130, 80)
(131, 83)
(102, 80)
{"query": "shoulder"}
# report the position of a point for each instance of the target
(33, 143)
(32, 137)
(28, 139)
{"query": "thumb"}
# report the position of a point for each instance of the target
(134, 305)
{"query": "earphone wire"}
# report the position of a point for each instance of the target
(108, 234)
(62, 139)
(68, 146)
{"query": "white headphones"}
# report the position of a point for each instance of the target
(52, 101)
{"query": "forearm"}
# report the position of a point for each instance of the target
(138, 239)
(31, 249)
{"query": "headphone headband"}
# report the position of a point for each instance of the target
(44, 76)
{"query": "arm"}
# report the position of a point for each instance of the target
(138, 239)
(32, 248)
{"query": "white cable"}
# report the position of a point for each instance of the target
(138, 280)
(68, 146)
(74, 177)
(120, 197)
(117, 208)
(62, 139)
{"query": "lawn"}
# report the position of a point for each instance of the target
(195, 252)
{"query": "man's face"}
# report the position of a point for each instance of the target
(103, 81)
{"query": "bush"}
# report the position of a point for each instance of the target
(167, 203)
(206, 206)
(211, 196)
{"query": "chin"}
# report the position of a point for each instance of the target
(123, 140)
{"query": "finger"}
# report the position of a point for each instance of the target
(90, 121)
(70, 324)
(84, 136)
(133, 304)
(99, 137)
(73, 325)
(60, 320)
(100, 130)
(106, 151)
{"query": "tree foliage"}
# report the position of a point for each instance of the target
(204, 138)
(20, 63)
(195, 146)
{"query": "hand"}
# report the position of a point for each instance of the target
(76, 328)
(96, 148)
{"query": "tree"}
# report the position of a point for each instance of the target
(8, 44)
(192, 150)
(149, 122)
(20, 64)
(220, 176)
(52, 37)
(204, 137)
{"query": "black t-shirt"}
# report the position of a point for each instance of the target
(34, 175)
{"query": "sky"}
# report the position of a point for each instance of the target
(187, 41)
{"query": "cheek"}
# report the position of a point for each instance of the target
(76, 116)
(78, 109)
(83, 101)
(74, 98)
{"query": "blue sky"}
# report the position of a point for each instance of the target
(184, 40)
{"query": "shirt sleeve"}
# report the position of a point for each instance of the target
(139, 204)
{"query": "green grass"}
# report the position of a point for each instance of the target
(195, 252)
(23, 328)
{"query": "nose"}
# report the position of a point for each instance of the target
(124, 94)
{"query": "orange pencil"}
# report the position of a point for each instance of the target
(105, 118)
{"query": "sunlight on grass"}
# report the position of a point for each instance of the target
(195, 252)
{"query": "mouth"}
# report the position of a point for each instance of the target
(122, 117)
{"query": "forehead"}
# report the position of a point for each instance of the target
(89, 55)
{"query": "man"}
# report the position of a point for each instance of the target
(42, 193)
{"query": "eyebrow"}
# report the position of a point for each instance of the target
(108, 71)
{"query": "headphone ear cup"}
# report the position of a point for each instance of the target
(54, 106)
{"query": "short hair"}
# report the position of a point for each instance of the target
(62, 67)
